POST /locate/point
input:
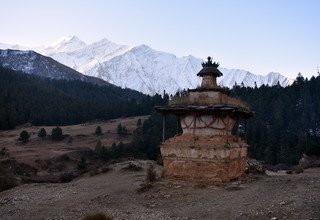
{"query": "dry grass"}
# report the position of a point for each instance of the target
(80, 137)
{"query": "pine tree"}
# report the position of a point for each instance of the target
(24, 136)
(98, 130)
(56, 134)
(42, 133)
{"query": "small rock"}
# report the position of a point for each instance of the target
(167, 196)
(282, 203)
(274, 218)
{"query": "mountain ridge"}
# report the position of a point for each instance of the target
(31, 62)
(144, 69)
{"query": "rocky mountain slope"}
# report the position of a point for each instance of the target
(31, 62)
(141, 67)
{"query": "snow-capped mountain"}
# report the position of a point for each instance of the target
(143, 68)
(31, 62)
(71, 51)
(151, 71)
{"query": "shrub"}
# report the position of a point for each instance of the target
(122, 130)
(24, 136)
(42, 133)
(66, 177)
(56, 134)
(4, 152)
(298, 169)
(151, 174)
(98, 130)
(117, 150)
(101, 152)
(7, 180)
(82, 164)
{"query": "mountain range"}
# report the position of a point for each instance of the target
(140, 67)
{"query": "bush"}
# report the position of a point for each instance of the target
(42, 133)
(82, 164)
(24, 136)
(101, 152)
(66, 177)
(56, 134)
(122, 130)
(298, 169)
(98, 130)
(117, 150)
(4, 152)
(7, 180)
(151, 174)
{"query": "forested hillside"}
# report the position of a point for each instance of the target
(42, 101)
(287, 120)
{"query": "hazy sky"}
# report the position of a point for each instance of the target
(259, 36)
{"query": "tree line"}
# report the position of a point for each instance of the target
(286, 122)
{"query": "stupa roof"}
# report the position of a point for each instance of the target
(209, 109)
(210, 68)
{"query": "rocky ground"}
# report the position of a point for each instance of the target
(273, 196)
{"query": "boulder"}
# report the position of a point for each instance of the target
(309, 161)
(254, 166)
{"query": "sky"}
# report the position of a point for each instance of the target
(260, 36)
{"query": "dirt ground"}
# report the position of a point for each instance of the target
(295, 196)
(79, 137)
(115, 193)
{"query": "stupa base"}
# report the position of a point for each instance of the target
(203, 170)
(207, 159)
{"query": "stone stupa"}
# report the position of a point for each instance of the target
(206, 149)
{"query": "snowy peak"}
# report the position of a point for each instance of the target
(233, 77)
(64, 45)
(150, 71)
(142, 68)
(80, 56)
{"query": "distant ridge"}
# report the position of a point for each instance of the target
(142, 68)
(33, 63)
